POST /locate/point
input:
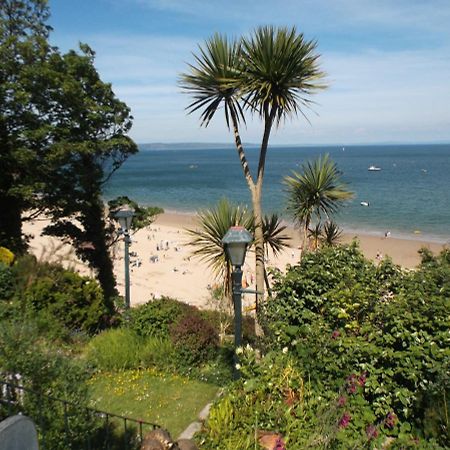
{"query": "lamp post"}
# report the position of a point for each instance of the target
(125, 215)
(236, 241)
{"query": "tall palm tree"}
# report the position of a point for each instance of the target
(213, 224)
(272, 74)
(316, 191)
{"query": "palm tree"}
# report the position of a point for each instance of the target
(212, 226)
(331, 233)
(207, 238)
(315, 192)
(272, 74)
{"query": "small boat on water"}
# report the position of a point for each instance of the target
(365, 204)
(374, 169)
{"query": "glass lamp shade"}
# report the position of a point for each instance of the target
(236, 241)
(125, 216)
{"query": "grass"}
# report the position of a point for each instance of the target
(170, 401)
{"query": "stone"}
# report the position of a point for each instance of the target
(186, 444)
(18, 433)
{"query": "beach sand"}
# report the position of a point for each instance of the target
(164, 266)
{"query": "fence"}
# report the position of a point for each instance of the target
(69, 426)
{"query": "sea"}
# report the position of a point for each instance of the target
(409, 196)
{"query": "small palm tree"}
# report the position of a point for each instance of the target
(331, 234)
(316, 191)
(214, 223)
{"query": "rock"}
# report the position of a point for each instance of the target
(158, 439)
(186, 444)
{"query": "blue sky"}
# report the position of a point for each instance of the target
(387, 64)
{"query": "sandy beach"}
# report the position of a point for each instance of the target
(162, 264)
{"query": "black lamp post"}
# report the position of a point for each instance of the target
(125, 215)
(236, 241)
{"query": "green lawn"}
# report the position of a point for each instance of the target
(171, 401)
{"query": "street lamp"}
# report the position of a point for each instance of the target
(125, 215)
(236, 241)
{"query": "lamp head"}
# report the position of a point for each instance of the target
(124, 215)
(236, 241)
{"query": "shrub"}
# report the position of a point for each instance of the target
(115, 349)
(65, 302)
(194, 338)
(158, 352)
(7, 282)
(340, 315)
(154, 317)
(6, 256)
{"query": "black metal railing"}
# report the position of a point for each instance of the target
(67, 425)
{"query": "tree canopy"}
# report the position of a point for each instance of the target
(63, 132)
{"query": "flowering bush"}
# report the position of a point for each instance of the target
(339, 314)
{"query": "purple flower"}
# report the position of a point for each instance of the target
(342, 400)
(372, 432)
(335, 334)
(351, 388)
(279, 444)
(391, 420)
(362, 379)
(344, 420)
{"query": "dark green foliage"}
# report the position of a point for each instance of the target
(60, 302)
(194, 338)
(66, 301)
(63, 133)
(154, 317)
(7, 282)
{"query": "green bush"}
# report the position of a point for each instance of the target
(7, 282)
(115, 349)
(194, 338)
(65, 303)
(158, 352)
(341, 315)
(154, 317)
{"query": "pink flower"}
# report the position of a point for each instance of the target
(391, 420)
(362, 379)
(279, 444)
(342, 401)
(344, 420)
(372, 432)
(335, 334)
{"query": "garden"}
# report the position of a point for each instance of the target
(354, 355)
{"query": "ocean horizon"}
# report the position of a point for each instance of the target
(409, 196)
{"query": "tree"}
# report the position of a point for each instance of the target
(23, 47)
(89, 143)
(315, 191)
(272, 74)
(214, 223)
(143, 217)
(63, 133)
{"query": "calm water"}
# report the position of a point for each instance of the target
(410, 196)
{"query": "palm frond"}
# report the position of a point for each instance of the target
(214, 79)
(316, 191)
(206, 240)
(273, 235)
(281, 72)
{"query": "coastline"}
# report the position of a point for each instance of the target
(164, 266)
